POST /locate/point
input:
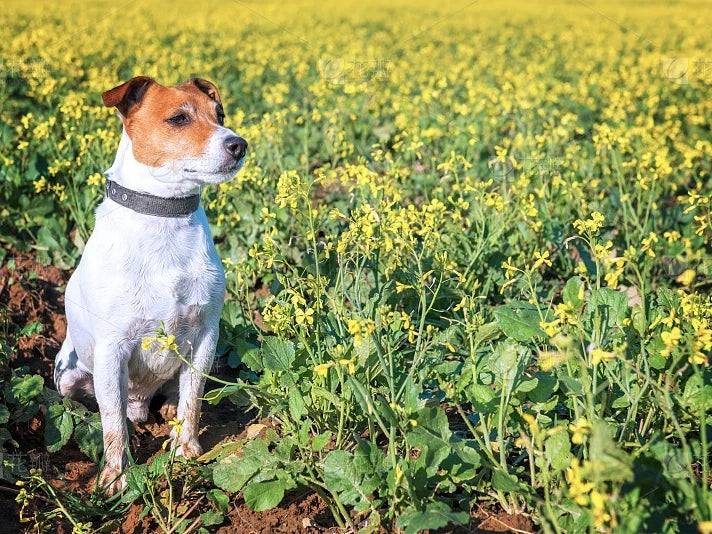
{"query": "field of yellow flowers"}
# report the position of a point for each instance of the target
(468, 257)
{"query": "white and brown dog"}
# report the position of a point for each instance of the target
(150, 258)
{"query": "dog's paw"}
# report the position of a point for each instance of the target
(111, 480)
(168, 411)
(189, 449)
(137, 411)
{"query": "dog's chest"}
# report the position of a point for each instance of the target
(180, 277)
(158, 270)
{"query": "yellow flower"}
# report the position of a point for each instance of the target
(549, 327)
(598, 502)
(671, 339)
(402, 287)
(591, 225)
(598, 355)
(167, 343)
(304, 316)
(95, 179)
(579, 430)
(648, 244)
(549, 359)
(40, 184)
(687, 277)
(460, 305)
(177, 425)
(509, 269)
(147, 342)
(541, 259)
(531, 421)
(399, 474)
(349, 364)
(323, 369)
(578, 487)
(360, 330)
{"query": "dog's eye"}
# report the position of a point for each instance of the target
(179, 119)
(221, 118)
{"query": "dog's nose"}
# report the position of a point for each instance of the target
(236, 146)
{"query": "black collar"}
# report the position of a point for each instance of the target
(151, 204)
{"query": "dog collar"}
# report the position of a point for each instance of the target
(151, 204)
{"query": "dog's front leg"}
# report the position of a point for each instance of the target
(111, 387)
(192, 382)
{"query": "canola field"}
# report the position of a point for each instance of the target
(468, 257)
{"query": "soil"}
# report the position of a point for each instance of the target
(31, 292)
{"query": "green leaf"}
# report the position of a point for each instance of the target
(253, 360)
(520, 322)
(525, 386)
(261, 496)
(607, 459)
(219, 499)
(545, 388)
(487, 332)
(216, 395)
(242, 350)
(368, 458)
(502, 481)
(136, 478)
(638, 317)
(657, 361)
(326, 394)
(320, 441)
(27, 388)
(697, 395)
(4, 414)
(89, 437)
(433, 430)
(621, 402)
(58, 427)
(222, 450)
(506, 361)
(232, 473)
(297, 407)
(339, 471)
(362, 395)
(482, 398)
(435, 515)
(612, 306)
(411, 401)
(32, 328)
(571, 384)
(574, 292)
(211, 518)
(558, 450)
(277, 355)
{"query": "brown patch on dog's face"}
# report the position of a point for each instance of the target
(167, 124)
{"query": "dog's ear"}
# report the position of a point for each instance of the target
(127, 95)
(207, 87)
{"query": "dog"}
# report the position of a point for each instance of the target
(150, 260)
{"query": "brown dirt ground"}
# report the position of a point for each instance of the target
(39, 297)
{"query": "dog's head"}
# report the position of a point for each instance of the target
(178, 132)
